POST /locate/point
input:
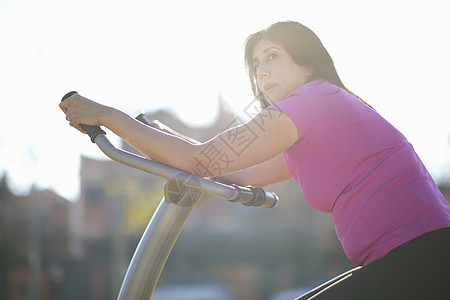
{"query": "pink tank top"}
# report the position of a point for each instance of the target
(350, 162)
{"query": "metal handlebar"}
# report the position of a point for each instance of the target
(249, 196)
(182, 193)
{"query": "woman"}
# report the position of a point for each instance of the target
(350, 162)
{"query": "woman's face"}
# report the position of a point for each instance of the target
(276, 73)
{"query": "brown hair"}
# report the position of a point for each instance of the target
(303, 45)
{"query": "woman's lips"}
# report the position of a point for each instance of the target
(268, 87)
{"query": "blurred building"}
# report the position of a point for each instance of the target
(34, 234)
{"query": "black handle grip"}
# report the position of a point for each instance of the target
(259, 197)
(92, 131)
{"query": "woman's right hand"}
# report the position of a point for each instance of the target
(81, 110)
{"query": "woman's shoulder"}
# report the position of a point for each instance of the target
(317, 86)
(306, 98)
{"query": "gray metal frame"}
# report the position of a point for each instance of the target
(182, 193)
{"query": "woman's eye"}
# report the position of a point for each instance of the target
(272, 56)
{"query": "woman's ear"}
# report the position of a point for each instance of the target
(309, 70)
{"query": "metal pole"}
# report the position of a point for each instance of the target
(157, 242)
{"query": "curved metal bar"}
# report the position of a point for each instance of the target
(233, 193)
(183, 192)
(153, 250)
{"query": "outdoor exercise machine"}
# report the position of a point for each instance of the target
(182, 193)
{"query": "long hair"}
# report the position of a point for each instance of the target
(305, 48)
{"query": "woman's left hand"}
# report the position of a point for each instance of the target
(81, 110)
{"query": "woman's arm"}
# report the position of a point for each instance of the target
(240, 147)
(158, 125)
(271, 171)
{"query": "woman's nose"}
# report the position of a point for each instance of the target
(262, 71)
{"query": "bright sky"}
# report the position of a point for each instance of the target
(144, 55)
